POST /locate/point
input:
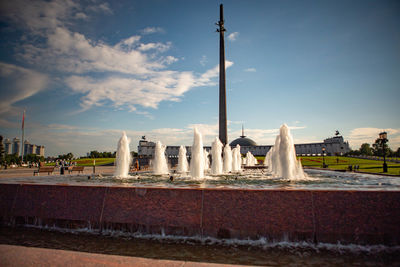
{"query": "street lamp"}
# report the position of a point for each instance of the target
(382, 141)
(323, 157)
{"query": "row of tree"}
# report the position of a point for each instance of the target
(105, 154)
(375, 150)
(11, 159)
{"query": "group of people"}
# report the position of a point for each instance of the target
(65, 163)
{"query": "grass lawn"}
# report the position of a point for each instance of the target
(89, 162)
(366, 165)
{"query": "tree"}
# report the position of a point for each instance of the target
(2, 154)
(68, 156)
(105, 154)
(365, 149)
(377, 149)
(33, 158)
(397, 153)
(13, 159)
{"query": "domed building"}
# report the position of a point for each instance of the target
(243, 141)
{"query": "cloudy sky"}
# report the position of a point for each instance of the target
(85, 71)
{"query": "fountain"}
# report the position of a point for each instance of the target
(335, 208)
(236, 159)
(267, 159)
(282, 157)
(227, 159)
(123, 157)
(160, 162)
(183, 165)
(250, 159)
(206, 160)
(279, 205)
(216, 155)
(197, 161)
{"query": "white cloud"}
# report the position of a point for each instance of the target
(250, 70)
(206, 78)
(233, 36)
(203, 60)
(100, 8)
(73, 52)
(60, 138)
(18, 83)
(368, 135)
(120, 91)
(133, 73)
(151, 30)
(160, 47)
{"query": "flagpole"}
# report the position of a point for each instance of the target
(22, 141)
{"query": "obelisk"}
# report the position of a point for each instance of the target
(223, 133)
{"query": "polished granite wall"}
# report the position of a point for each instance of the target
(359, 217)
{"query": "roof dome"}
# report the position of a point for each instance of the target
(243, 141)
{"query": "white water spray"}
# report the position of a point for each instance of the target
(227, 158)
(250, 159)
(216, 155)
(160, 162)
(123, 157)
(236, 159)
(183, 165)
(282, 158)
(206, 160)
(197, 161)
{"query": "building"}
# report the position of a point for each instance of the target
(27, 148)
(147, 149)
(7, 146)
(40, 151)
(333, 146)
(14, 147)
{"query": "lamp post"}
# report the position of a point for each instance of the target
(382, 141)
(323, 157)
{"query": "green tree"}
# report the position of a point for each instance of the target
(33, 158)
(68, 156)
(377, 149)
(366, 149)
(13, 159)
(94, 154)
(2, 154)
(105, 154)
(397, 153)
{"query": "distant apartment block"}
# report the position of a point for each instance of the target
(14, 147)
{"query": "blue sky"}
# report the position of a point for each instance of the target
(85, 71)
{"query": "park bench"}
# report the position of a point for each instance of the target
(48, 169)
(79, 169)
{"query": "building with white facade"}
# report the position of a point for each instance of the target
(14, 147)
(333, 146)
(7, 146)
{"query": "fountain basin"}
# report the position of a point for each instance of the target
(328, 216)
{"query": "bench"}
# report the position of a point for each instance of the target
(48, 169)
(78, 169)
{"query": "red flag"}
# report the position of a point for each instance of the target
(23, 120)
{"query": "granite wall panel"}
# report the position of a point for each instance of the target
(157, 208)
(82, 203)
(258, 213)
(369, 217)
(362, 217)
(8, 194)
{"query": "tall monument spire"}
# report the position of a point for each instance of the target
(223, 133)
